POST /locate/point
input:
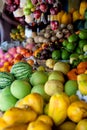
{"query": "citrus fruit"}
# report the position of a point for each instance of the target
(65, 55)
(65, 42)
(40, 90)
(70, 46)
(56, 54)
(71, 87)
(20, 88)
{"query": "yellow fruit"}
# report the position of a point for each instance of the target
(82, 83)
(19, 115)
(83, 6)
(66, 18)
(77, 111)
(59, 16)
(67, 125)
(76, 15)
(57, 109)
(33, 100)
(46, 119)
(73, 98)
(38, 125)
(16, 127)
(82, 125)
(3, 123)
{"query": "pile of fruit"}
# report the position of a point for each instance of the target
(50, 95)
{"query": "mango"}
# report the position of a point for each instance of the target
(77, 111)
(38, 125)
(58, 105)
(19, 115)
(33, 100)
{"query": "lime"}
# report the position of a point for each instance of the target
(56, 54)
(71, 87)
(70, 47)
(79, 50)
(65, 55)
(65, 42)
(82, 43)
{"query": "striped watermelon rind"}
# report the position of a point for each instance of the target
(21, 70)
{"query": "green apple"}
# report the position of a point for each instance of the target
(7, 100)
(20, 88)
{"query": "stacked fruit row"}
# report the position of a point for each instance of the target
(23, 92)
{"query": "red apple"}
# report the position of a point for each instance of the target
(54, 10)
(37, 14)
(34, 2)
(54, 25)
(43, 7)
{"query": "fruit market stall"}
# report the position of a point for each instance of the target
(43, 67)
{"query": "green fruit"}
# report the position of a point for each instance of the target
(29, 5)
(82, 43)
(7, 100)
(85, 48)
(27, 11)
(73, 38)
(56, 54)
(79, 50)
(70, 47)
(73, 57)
(20, 88)
(38, 77)
(21, 70)
(65, 55)
(65, 42)
(40, 89)
(83, 34)
(6, 79)
(71, 87)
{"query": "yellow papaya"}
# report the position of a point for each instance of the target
(58, 105)
(19, 115)
(38, 125)
(33, 100)
(16, 127)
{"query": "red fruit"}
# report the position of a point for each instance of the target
(54, 25)
(50, 1)
(17, 2)
(37, 14)
(40, 1)
(54, 10)
(43, 7)
(8, 2)
(34, 2)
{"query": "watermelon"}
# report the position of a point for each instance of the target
(6, 79)
(21, 70)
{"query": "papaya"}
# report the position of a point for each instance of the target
(57, 109)
(19, 115)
